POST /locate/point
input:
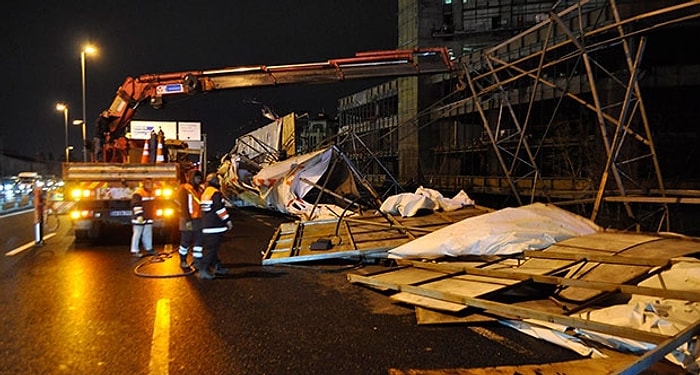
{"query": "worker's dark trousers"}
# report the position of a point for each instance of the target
(191, 239)
(38, 227)
(211, 249)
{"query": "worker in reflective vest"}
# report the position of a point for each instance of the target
(142, 206)
(215, 222)
(188, 197)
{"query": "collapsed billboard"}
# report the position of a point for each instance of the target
(263, 171)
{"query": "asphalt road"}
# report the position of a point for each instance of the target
(69, 308)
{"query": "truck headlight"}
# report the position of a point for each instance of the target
(165, 212)
(76, 193)
(167, 192)
(80, 193)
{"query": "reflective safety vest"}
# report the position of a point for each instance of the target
(214, 213)
(189, 202)
(142, 205)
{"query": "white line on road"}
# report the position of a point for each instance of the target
(26, 246)
(160, 344)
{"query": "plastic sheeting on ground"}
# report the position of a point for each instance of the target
(410, 204)
(507, 231)
(540, 330)
(658, 315)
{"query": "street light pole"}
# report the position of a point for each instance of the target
(64, 108)
(80, 123)
(82, 71)
(86, 50)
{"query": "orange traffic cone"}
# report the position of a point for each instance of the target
(146, 155)
(160, 158)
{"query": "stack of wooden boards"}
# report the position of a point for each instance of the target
(552, 285)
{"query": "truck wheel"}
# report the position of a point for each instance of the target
(81, 235)
(94, 232)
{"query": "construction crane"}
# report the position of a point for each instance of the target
(153, 88)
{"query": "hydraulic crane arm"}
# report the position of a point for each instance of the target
(153, 87)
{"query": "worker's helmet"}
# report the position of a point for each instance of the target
(213, 180)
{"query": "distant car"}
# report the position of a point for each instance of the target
(10, 187)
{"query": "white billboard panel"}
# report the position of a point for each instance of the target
(142, 129)
(189, 131)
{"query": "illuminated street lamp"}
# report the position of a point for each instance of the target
(64, 108)
(68, 150)
(87, 50)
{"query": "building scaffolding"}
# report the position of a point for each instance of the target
(553, 113)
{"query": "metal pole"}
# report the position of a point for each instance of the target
(65, 121)
(82, 71)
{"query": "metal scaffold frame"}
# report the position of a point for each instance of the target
(576, 43)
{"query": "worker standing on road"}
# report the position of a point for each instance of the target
(215, 222)
(39, 206)
(189, 196)
(142, 219)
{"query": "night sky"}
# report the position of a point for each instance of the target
(41, 44)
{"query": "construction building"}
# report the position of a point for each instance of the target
(586, 104)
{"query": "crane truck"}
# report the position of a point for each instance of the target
(101, 190)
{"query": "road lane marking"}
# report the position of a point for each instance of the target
(160, 344)
(26, 246)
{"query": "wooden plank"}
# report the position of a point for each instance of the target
(272, 244)
(389, 225)
(562, 281)
(425, 315)
(408, 276)
(432, 303)
(593, 257)
(622, 274)
(580, 366)
(516, 312)
(469, 285)
(608, 241)
(444, 280)
(428, 316)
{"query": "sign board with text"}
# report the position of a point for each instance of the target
(189, 131)
(142, 129)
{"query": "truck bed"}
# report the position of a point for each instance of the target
(118, 171)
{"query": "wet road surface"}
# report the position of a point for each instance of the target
(68, 308)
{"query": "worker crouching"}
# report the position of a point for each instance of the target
(215, 222)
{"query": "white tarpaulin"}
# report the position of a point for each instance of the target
(280, 184)
(507, 231)
(410, 204)
(283, 186)
(541, 330)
